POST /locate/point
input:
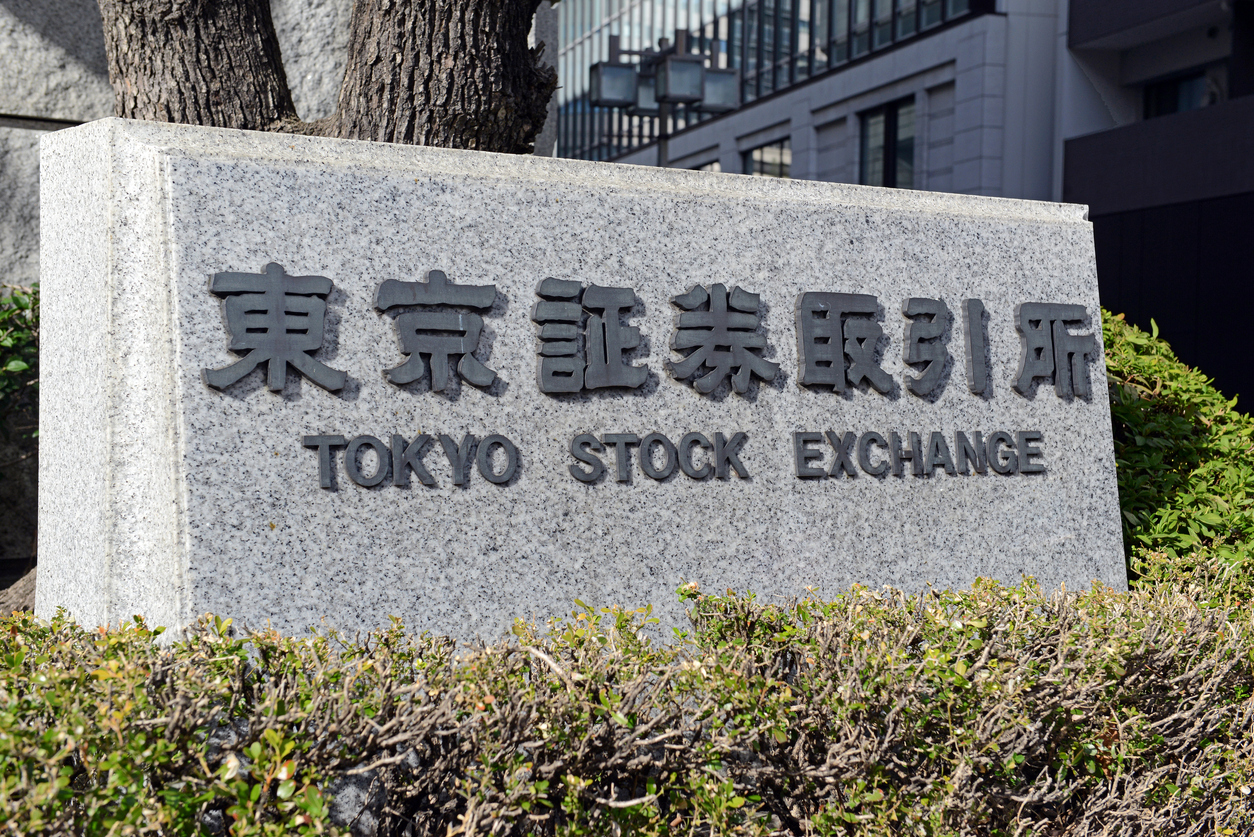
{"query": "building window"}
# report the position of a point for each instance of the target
(929, 13)
(888, 145)
(713, 165)
(1190, 91)
(773, 160)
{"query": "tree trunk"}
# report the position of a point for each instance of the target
(199, 62)
(453, 73)
(450, 73)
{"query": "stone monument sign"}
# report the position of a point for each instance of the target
(306, 381)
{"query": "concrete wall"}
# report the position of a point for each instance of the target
(544, 33)
(53, 74)
(52, 66)
(52, 62)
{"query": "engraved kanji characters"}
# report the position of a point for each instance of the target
(1050, 348)
(831, 327)
(278, 320)
(923, 344)
(723, 338)
(560, 312)
(441, 335)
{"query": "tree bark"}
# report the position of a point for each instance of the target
(453, 73)
(199, 62)
(450, 73)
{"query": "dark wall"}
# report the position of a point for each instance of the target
(1091, 20)
(1190, 156)
(1190, 267)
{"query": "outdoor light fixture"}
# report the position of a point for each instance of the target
(680, 79)
(662, 78)
(612, 85)
(668, 77)
(722, 91)
(646, 102)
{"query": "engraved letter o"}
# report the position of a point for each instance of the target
(381, 452)
(484, 459)
(646, 456)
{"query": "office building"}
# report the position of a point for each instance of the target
(1169, 176)
(1131, 106)
(948, 95)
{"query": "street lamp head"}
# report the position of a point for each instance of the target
(680, 79)
(646, 103)
(612, 85)
(722, 91)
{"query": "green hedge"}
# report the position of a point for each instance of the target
(19, 394)
(1185, 459)
(994, 711)
(19, 358)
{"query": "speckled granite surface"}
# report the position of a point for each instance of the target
(163, 496)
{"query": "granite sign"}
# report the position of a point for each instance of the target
(317, 380)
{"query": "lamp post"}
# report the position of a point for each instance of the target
(664, 77)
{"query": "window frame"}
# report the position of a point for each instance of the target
(891, 111)
(747, 161)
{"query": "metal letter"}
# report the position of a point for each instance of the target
(620, 441)
(1071, 368)
(462, 339)
(437, 290)
(1010, 464)
(802, 454)
(560, 374)
(605, 338)
(938, 454)
(324, 444)
(914, 453)
(608, 338)
(969, 452)
(861, 337)
(646, 456)
(1050, 349)
(354, 468)
(1027, 450)
(456, 334)
(977, 360)
(586, 456)
(685, 456)
(842, 447)
(278, 320)
(458, 455)
(723, 340)
(923, 343)
(824, 339)
(560, 368)
(725, 456)
(405, 458)
(483, 458)
(864, 453)
(819, 338)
